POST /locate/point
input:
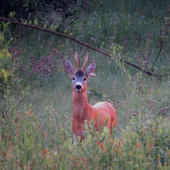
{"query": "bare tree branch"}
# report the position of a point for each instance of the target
(161, 44)
(87, 45)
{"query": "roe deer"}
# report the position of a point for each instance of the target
(82, 110)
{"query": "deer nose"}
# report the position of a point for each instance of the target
(78, 87)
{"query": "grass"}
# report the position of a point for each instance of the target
(35, 132)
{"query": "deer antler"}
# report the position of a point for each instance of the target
(77, 62)
(86, 59)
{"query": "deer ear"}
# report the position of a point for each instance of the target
(90, 69)
(69, 67)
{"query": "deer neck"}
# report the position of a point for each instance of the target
(80, 103)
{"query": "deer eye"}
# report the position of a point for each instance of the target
(73, 78)
(84, 79)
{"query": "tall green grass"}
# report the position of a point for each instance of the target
(35, 131)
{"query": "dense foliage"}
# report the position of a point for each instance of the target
(32, 9)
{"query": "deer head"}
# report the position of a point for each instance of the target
(80, 76)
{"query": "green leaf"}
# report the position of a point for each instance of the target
(4, 74)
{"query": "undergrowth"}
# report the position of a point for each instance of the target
(36, 104)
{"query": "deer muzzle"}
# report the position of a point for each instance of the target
(78, 86)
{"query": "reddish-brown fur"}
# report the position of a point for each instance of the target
(82, 110)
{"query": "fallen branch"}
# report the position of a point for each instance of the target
(85, 44)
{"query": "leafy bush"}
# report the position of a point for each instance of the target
(6, 70)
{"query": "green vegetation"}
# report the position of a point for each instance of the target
(36, 95)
